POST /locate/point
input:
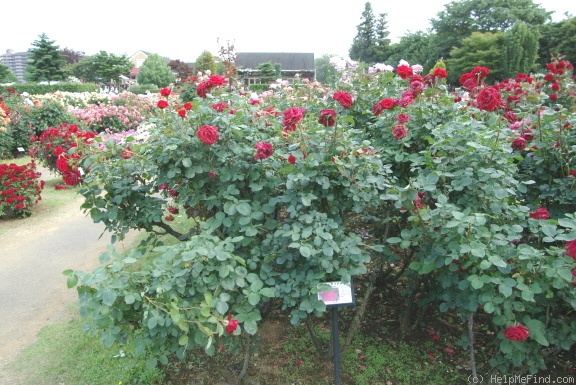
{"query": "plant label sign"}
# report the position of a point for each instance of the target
(20, 149)
(339, 294)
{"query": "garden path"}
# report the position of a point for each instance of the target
(33, 290)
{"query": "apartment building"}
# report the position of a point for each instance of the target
(16, 61)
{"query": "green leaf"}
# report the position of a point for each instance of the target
(186, 162)
(244, 208)
(253, 299)
(183, 340)
(536, 331)
(269, 292)
(305, 251)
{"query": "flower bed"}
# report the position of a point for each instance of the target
(20, 189)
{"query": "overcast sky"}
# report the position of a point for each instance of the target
(184, 29)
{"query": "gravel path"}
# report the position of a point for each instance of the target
(33, 291)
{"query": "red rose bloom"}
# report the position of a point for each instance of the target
(440, 73)
(232, 325)
(468, 80)
(291, 159)
(540, 213)
(208, 134)
(344, 98)
(488, 99)
(404, 71)
(182, 112)
(402, 118)
(292, 116)
(555, 86)
(327, 118)
(553, 97)
(387, 103)
(173, 210)
(127, 153)
(188, 106)
(517, 333)
(263, 150)
(549, 77)
(570, 249)
(202, 89)
(519, 144)
(165, 92)
(399, 131)
(216, 80)
(219, 106)
(162, 104)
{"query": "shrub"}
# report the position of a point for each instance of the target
(142, 89)
(57, 149)
(20, 189)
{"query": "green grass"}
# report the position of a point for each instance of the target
(64, 354)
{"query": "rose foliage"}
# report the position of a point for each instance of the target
(267, 200)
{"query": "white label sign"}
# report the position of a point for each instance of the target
(339, 294)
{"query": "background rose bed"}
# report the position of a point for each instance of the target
(465, 198)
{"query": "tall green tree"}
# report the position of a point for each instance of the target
(557, 41)
(206, 62)
(155, 71)
(478, 49)
(382, 48)
(45, 62)
(364, 43)
(460, 19)
(6, 74)
(519, 49)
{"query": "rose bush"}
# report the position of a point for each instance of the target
(20, 189)
(402, 181)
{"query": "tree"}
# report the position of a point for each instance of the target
(479, 49)
(326, 73)
(269, 71)
(415, 48)
(460, 19)
(101, 68)
(71, 56)
(364, 44)
(205, 63)
(519, 49)
(6, 75)
(45, 61)
(557, 41)
(155, 71)
(181, 69)
(382, 48)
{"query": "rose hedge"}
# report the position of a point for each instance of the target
(268, 197)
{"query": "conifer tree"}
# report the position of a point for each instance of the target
(46, 62)
(155, 71)
(364, 44)
(519, 49)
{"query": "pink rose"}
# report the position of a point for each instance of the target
(208, 134)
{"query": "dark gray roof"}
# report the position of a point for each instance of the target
(289, 61)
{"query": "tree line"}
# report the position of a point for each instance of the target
(507, 36)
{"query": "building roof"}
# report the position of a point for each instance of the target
(289, 61)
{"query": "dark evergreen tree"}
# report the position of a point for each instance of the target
(364, 44)
(382, 48)
(519, 49)
(45, 62)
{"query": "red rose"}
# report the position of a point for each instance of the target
(488, 99)
(173, 210)
(468, 80)
(291, 159)
(168, 218)
(162, 104)
(540, 213)
(208, 134)
(387, 103)
(404, 71)
(202, 89)
(327, 118)
(549, 77)
(517, 333)
(231, 325)
(165, 92)
(440, 73)
(402, 118)
(188, 106)
(263, 150)
(344, 98)
(216, 80)
(519, 144)
(399, 131)
(127, 153)
(219, 106)
(292, 116)
(570, 249)
(182, 112)
(553, 97)
(555, 86)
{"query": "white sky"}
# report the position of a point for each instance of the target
(184, 29)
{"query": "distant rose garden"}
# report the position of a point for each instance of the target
(457, 199)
